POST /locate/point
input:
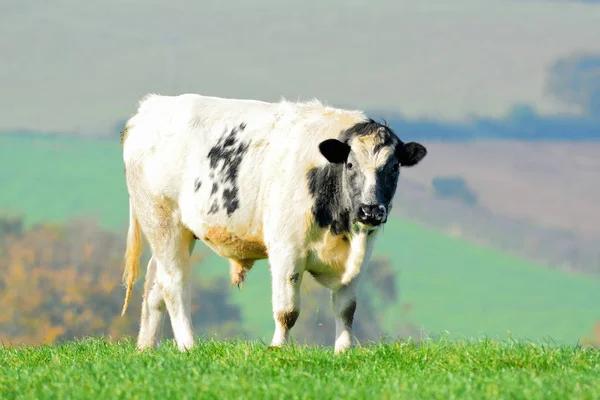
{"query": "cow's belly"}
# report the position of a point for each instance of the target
(234, 246)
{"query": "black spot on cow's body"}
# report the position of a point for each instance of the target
(230, 200)
(225, 159)
(294, 277)
(214, 208)
(197, 184)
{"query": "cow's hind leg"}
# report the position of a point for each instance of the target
(172, 276)
(171, 244)
(153, 309)
(286, 275)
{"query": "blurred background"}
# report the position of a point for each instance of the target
(496, 233)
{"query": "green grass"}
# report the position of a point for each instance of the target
(451, 284)
(437, 369)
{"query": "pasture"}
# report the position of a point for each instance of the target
(449, 284)
(438, 369)
(485, 289)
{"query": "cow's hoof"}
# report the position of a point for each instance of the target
(341, 348)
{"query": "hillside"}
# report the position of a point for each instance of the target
(447, 283)
(51, 179)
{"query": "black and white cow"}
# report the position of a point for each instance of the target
(305, 185)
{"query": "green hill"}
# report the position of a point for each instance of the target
(54, 178)
(450, 284)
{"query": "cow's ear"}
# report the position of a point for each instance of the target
(334, 151)
(410, 154)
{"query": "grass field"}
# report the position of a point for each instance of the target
(450, 284)
(216, 370)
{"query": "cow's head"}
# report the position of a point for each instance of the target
(370, 156)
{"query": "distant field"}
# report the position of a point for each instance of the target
(450, 284)
(433, 370)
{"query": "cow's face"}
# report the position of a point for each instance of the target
(371, 156)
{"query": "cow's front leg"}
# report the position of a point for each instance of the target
(344, 306)
(286, 275)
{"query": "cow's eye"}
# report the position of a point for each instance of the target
(349, 165)
(395, 167)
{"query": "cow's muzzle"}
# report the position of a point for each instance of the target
(371, 215)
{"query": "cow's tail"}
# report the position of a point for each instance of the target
(132, 255)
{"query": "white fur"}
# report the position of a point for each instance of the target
(165, 152)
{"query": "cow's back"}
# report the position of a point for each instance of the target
(170, 134)
(177, 120)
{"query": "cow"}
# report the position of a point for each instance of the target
(305, 185)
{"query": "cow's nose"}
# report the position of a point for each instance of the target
(371, 214)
